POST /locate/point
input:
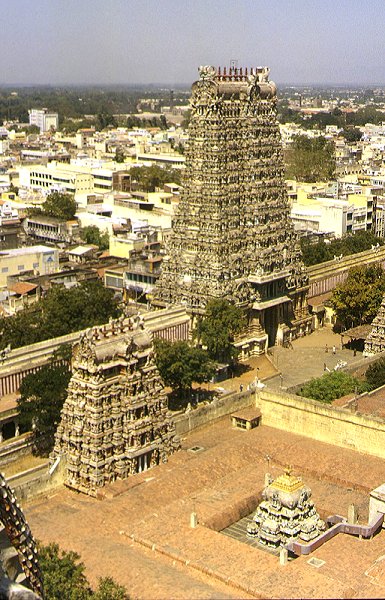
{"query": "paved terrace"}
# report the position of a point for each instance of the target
(139, 532)
(303, 361)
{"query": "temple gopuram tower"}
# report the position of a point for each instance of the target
(375, 342)
(286, 514)
(115, 421)
(231, 235)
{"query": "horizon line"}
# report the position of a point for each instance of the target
(186, 85)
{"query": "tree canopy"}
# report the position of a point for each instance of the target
(57, 204)
(216, 330)
(181, 364)
(357, 300)
(331, 386)
(350, 243)
(135, 121)
(149, 178)
(60, 312)
(375, 374)
(60, 205)
(41, 399)
(64, 577)
(92, 235)
(310, 159)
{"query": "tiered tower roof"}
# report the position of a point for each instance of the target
(115, 420)
(375, 342)
(232, 226)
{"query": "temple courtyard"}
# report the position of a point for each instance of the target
(139, 532)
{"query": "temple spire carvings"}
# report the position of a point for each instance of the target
(231, 235)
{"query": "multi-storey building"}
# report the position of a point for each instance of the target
(43, 119)
(41, 259)
(74, 178)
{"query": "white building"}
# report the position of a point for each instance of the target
(43, 119)
(75, 178)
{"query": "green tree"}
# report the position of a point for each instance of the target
(92, 235)
(105, 120)
(149, 178)
(59, 205)
(41, 399)
(350, 243)
(216, 330)
(331, 386)
(352, 134)
(119, 156)
(357, 300)
(375, 374)
(87, 304)
(63, 574)
(30, 129)
(108, 589)
(60, 312)
(64, 577)
(310, 159)
(181, 364)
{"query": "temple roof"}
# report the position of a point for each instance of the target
(287, 482)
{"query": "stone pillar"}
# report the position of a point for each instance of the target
(17, 429)
(283, 556)
(1, 434)
(352, 514)
(193, 520)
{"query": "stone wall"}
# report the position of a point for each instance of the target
(216, 409)
(325, 276)
(37, 481)
(322, 422)
(171, 323)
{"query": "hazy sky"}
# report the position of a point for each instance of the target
(164, 41)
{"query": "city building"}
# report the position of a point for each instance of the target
(43, 119)
(50, 229)
(75, 178)
(42, 259)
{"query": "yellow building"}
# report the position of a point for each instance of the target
(41, 259)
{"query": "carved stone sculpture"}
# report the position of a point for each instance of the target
(115, 420)
(286, 514)
(375, 342)
(20, 575)
(231, 235)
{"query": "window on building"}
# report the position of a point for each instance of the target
(4, 270)
(20, 268)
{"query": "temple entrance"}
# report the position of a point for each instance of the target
(271, 324)
(9, 430)
(143, 462)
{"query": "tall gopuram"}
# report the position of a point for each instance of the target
(231, 235)
(115, 421)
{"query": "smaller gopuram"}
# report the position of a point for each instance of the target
(375, 342)
(115, 421)
(286, 514)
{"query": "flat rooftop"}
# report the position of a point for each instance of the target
(28, 250)
(139, 531)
